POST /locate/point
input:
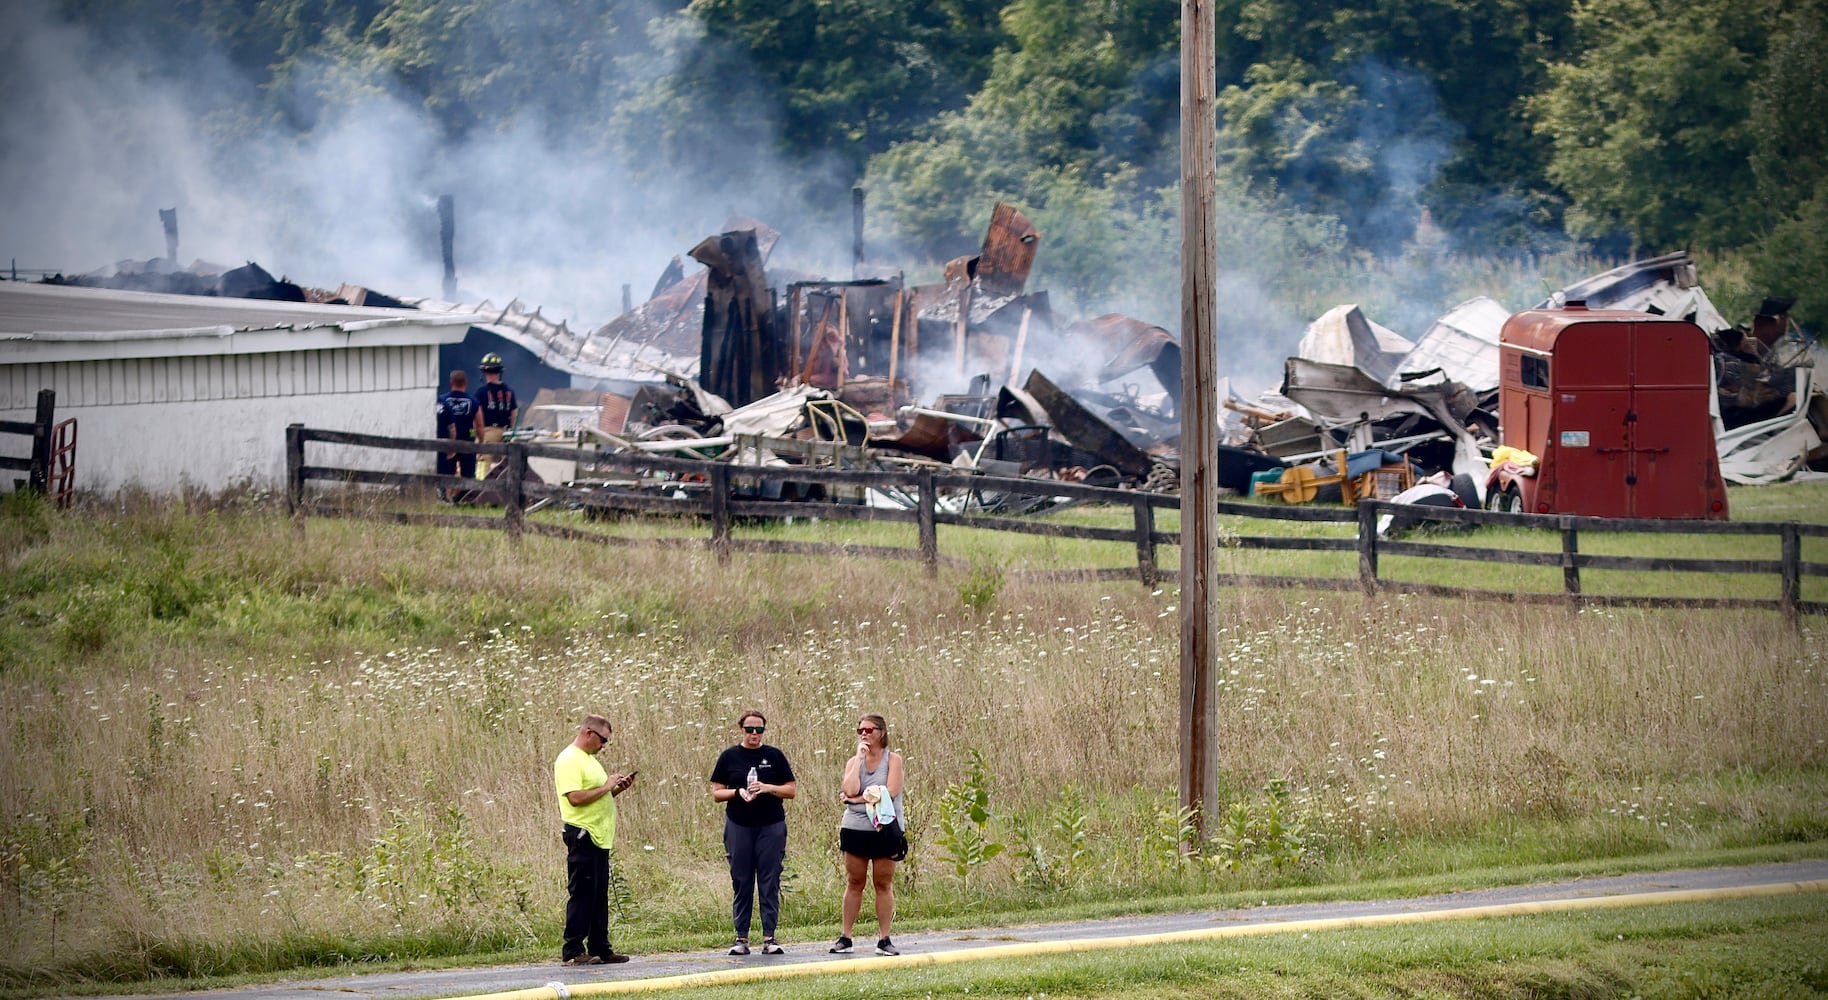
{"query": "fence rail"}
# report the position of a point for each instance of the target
(52, 452)
(713, 494)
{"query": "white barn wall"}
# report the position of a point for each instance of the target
(218, 421)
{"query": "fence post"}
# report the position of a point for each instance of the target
(1145, 540)
(40, 474)
(1367, 546)
(295, 476)
(516, 500)
(925, 517)
(720, 511)
(1793, 573)
(1570, 547)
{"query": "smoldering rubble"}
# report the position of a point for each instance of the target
(737, 360)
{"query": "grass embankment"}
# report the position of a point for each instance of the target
(1765, 948)
(235, 751)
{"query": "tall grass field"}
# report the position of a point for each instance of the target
(234, 749)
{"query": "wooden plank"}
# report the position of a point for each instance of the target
(295, 464)
(1043, 528)
(514, 497)
(1199, 761)
(828, 511)
(1648, 526)
(494, 489)
(1791, 586)
(1272, 542)
(1289, 512)
(1508, 557)
(793, 326)
(1143, 530)
(894, 339)
(1015, 364)
(720, 512)
(1639, 564)
(1367, 548)
(40, 470)
(698, 506)
(927, 522)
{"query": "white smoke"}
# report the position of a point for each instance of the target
(93, 143)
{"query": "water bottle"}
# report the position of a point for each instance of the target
(749, 796)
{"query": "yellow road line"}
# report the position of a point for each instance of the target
(725, 977)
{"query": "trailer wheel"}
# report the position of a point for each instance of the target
(1508, 500)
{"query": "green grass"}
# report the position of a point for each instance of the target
(1739, 948)
(1005, 551)
(329, 748)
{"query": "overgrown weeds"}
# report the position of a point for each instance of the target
(337, 747)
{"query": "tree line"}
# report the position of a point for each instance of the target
(1477, 127)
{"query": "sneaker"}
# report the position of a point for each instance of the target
(613, 958)
(842, 946)
(741, 947)
(583, 960)
(772, 947)
(886, 947)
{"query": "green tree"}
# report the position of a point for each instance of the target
(1080, 91)
(848, 78)
(478, 64)
(1789, 126)
(1648, 124)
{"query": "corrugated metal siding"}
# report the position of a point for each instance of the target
(216, 377)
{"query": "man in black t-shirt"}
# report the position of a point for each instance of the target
(458, 420)
(497, 405)
(752, 779)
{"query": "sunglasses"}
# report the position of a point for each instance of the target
(755, 729)
(865, 730)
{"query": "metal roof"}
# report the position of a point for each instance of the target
(44, 323)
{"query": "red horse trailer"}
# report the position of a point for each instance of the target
(1614, 405)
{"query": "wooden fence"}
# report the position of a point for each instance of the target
(49, 469)
(714, 494)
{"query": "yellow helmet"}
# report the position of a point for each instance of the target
(491, 362)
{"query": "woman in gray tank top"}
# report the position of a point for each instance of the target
(870, 833)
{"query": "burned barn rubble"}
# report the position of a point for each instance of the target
(1362, 412)
(740, 361)
(876, 373)
(1356, 395)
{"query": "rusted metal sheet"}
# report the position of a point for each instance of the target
(1083, 429)
(1128, 344)
(1009, 252)
(741, 354)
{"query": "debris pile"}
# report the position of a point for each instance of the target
(743, 362)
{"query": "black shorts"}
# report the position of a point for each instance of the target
(886, 842)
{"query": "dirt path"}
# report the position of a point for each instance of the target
(496, 979)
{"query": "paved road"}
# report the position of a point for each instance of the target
(502, 978)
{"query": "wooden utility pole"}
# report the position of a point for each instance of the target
(1199, 409)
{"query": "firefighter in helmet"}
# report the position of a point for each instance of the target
(497, 405)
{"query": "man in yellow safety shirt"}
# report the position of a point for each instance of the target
(587, 804)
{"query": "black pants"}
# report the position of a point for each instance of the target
(587, 901)
(755, 854)
(449, 465)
